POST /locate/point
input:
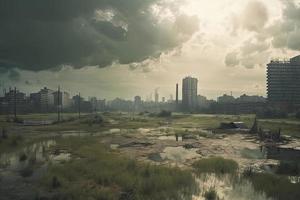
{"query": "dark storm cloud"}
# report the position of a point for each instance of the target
(14, 75)
(44, 34)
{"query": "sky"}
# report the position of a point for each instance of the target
(124, 48)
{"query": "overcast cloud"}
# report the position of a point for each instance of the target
(110, 48)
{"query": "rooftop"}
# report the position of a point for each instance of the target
(294, 60)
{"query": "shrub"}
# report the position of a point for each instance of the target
(274, 186)
(55, 182)
(15, 140)
(289, 168)
(211, 194)
(99, 173)
(272, 113)
(23, 157)
(18, 120)
(215, 165)
(27, 171)
(4, 133)
(165, 113)
(298, 115)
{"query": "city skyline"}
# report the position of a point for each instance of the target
(225, 51)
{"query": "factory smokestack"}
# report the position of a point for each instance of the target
(177, 93)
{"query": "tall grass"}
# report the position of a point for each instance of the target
(99, 174)
(217, 165)
(274, 186)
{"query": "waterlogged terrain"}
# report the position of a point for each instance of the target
(144, 157)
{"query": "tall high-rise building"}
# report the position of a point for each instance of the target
(189, 92)
(283, 82)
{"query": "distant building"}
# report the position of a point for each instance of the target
(46, 99)
(242, 105)
(94, 102)
(283, 82)
(137, 101)
(97, 105)
(12, 98)
(254, 98)
(203, 102)
(189, 92)
(156, 96)
(226, 99)
(119, 104)
(76, 100)
(101, 105)
(63, 99)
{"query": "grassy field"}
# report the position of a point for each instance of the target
(216, 165)
(274, 186)
(288, 126)
(101, 174)
(127, 121)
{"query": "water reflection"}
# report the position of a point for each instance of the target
(38, 153)
(272, 152)
(170, 137)
(179, 154)
(278, 153)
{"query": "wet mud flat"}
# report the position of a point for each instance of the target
(161, 148)
(22, 169)
(158, 146)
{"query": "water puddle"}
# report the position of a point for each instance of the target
(33, 155)
(272, 152)
(253, 153)
(155, 157)
(114, 146)
(278, 153)
(170, 137)
(179, 154)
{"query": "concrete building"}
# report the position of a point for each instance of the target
(63, 100)
(203, 102)
(226, 99)
(46, 99)
(283, 83)
(248, 99)
(189, 93)
(13, 99)
(137, 101)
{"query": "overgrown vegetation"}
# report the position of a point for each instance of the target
(164, 113)
(217, 165)
(103, 175)
(291, 168)
(272, 113)
(274, 186)
(297, 115)
(211, 194)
